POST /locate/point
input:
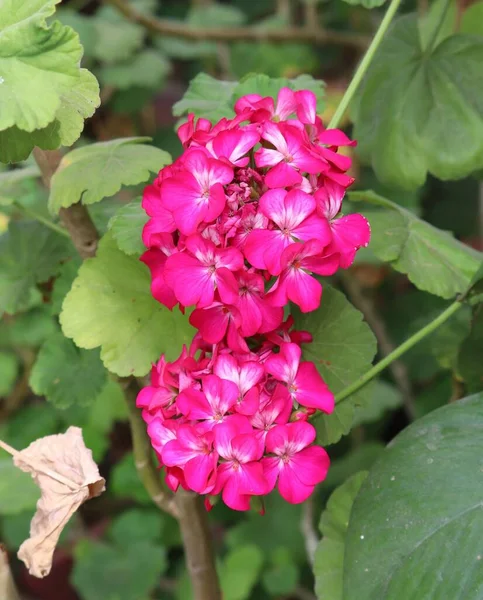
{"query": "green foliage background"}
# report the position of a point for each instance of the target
(69, 328)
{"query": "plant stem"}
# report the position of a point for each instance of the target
(399, 351)
(364, 64)
(198, 547)
(37, 217)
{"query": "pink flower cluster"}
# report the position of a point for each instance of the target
(239, 225)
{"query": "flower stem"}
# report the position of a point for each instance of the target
(399, 351)
(364, 64)
(37, 217)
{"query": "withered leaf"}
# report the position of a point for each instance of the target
(67, 476)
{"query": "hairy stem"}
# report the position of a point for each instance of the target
(169, 27)
(399, 351)
(364, 64)
(198, 548)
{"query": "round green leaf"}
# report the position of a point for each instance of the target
(97, 171)
(110, 305)
(146, 69)
(415, 527)
(136, 526)
(8, 372)
(240, 571)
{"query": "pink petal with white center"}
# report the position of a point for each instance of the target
(250, 479)
(297, 207)
(263, 248)
(200, 472)
(191, 281)
(283, 175)
(225, 432)
(227, 286)
(267, 157)
(311, 465)
(271, 469)
(249, 404)
(232, 496)
(286, 104)
(231, 258)
(188, 203)
(311, 389)
(211, 322)
(234, 144)
(300, 435)
(299, 287)
(272, 205)
(236, 342)
(284, 365)
(221, 394)
(272, 133)
(194, 404)
(306, 106)
(175, 454)
(161, 432)
(247, 447)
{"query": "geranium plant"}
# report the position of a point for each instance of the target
(207, 314)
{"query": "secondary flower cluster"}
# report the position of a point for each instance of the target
(239, 225)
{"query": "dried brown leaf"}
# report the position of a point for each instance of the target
(67, 476)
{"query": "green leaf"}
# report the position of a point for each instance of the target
(408, 521)
(127, 227)
(125, 482)
(136, 525)
(215, 15)
(439, 18)
(8, 372)
(240, 571)
(257, 83)
(38, 64)
(360, 459)
(28, 329)
(281, 577)
(82, 25)
(66, 375)
(18, 492)
(420, 110)
(366, 3)
(472, 20)
(110, 305)
(384, 397)
(342, 349)
(117, 38)
(29, 254)
(117, 572)
(97, 171)
(207, 97)
(470, 356)
(63, 283)
(329, 556)
(432, 259)
(30, 423)
(146, 69)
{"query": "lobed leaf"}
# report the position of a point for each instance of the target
(110, 305)
(127, 226)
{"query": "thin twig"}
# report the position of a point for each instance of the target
(398, 368)
(308, 530)
(173, 28)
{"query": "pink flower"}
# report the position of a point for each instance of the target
(349, 233)
(216, 322)
(241, 475)
(233, 144)
(297, 467)
(245, 376)
(289, 156)
(258, 315)
(295, 282)
(210, 405)
(274, 410)
(155, 259)
(304, 382)
(194, 274)
(196, 193)
(294, 214)
(192, 449)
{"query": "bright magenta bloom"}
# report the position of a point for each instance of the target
(239, 226)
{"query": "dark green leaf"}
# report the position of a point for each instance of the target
(146, 69)
(420, 110)
(472, 20)
(470, 357)
(207, 97)
(125, 481)
(18, 492)
(240, 571)
(342, 350)
(29, 254)
(110, 305)
(63, 283)
(384, 397)
(329, 557)
(432, 259)
(136, 526)
(411, 519)
(8, 372)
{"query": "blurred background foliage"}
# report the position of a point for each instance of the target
(119, 547)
